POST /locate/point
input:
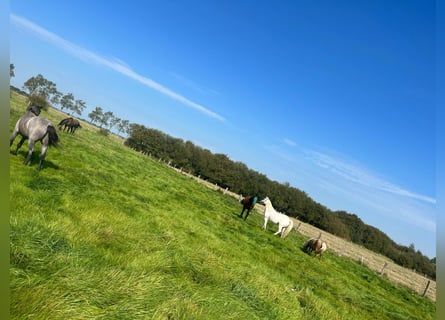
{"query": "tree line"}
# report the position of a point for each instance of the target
(221, 170)
(44, 92)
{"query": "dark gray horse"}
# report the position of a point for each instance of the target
(69, 123)
(34, 128)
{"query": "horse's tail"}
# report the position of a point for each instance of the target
(288, 229)
(53, 137)
(323, 248)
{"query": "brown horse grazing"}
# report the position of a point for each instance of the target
(34, 128)
(69, 123)
(315, 245)
(248, 204)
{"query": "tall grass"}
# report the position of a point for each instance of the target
(102, 232)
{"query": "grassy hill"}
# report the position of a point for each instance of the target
(103, 232)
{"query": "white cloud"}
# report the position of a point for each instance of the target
(363, 177)
(383, 204)
(113, 64)
(290, 142)
(343, 185)
(195, 86)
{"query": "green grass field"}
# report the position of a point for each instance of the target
(102, 232)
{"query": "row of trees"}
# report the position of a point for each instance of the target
(38, 88)
(109, 120)
(219, 169)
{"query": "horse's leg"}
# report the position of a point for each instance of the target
(19, 144)
(43, 154)
(247, 214)
(30, 150)
(280, 229)
(13, 136)
(265, 222)
(242, 211)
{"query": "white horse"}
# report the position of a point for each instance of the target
(285, 224)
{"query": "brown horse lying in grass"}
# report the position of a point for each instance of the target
(315, 245)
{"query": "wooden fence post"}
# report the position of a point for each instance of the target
(298, 226)
(383, 268)
(426, 288)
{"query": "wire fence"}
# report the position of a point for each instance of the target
(382, 265)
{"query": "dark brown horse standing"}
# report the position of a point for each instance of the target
(69, 123)
(34, 128)
(248, 204)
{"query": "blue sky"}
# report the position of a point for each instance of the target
(334, 97)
